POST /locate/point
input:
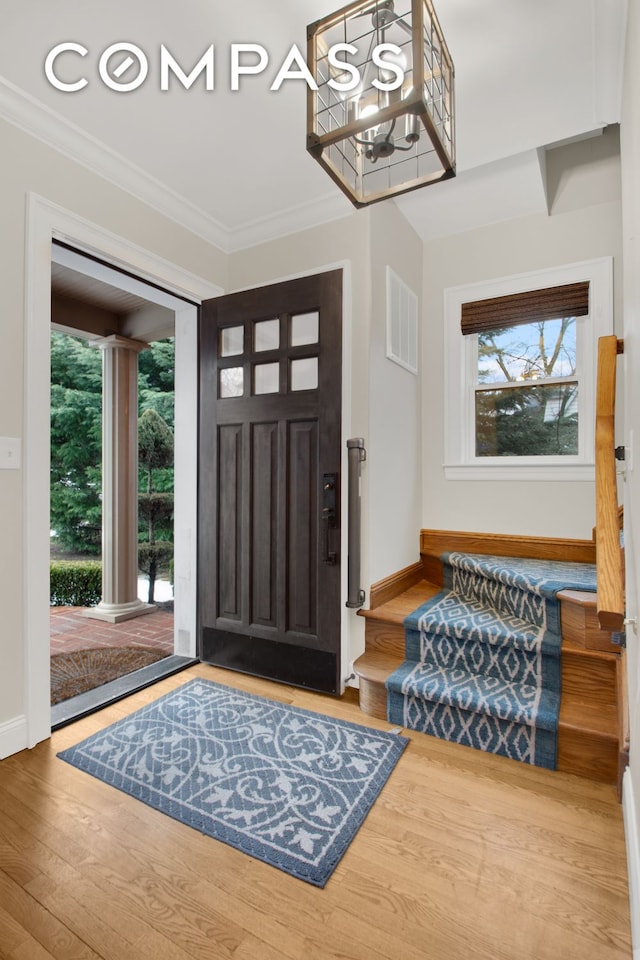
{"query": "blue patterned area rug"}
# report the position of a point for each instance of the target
(285, 785)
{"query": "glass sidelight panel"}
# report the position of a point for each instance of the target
(304, 374)
(266, 378)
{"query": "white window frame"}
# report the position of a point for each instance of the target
(461, 369)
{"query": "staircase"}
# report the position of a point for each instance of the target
(588, 734)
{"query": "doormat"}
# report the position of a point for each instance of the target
(284, 785)
(82, 670)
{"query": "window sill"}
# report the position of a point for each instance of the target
(575, 472)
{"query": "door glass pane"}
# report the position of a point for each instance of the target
(231, 382)
(304, 374)
(304, 329)
(231, 341)
(266, 335)
(266, 378)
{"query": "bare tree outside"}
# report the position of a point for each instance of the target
(527, 391)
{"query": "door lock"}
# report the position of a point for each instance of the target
(328, 514)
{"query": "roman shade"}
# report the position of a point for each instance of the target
(551, 303)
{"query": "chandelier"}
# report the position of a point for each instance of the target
(381, 121)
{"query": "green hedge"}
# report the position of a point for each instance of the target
(75, 583)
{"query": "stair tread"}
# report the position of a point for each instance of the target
(481, 622)
(376, 665)
(395, 610)
(542, 577)
(475, 692)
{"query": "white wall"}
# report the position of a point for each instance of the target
(584, 224)
(28, 166)
(395, 420)
(630, 145)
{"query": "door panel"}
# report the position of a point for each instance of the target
(270, 431)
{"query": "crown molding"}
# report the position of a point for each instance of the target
(304, 216)
(51, 128)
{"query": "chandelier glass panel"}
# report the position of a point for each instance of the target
(382, 119)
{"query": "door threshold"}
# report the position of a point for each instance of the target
(85, 703)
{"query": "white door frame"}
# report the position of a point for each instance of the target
(47, 221)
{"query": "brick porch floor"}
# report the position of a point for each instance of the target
(70, 631)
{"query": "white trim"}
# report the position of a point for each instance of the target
(13, 736)
(46, 220)
(51, 128)
(460, 463)
(520, 471)
(313, 213)
(633, 859)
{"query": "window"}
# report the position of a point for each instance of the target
(520, 373)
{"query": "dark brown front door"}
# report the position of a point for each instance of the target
(269, 481)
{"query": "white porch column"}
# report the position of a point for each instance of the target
(120, 482)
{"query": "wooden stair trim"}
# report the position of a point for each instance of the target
(582, 598)
(385, 590)
(401, 605)
(434, 543)
(611, 600)
(376, 666)
(580, 625)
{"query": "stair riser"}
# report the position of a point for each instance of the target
(587, 754)
(580, 752)
(386, 637)
(587, 679)
(479, 731)
(509, 600)
(513, 666)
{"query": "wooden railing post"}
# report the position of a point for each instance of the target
(609, 556)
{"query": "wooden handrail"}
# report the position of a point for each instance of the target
(609, 558)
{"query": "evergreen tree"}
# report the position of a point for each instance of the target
(76, 444)
(76, 433)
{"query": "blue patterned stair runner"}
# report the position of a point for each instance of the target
(482, 661)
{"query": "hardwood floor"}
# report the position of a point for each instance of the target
(464, 855)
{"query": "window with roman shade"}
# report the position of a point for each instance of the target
(527, 358)
(527, 385)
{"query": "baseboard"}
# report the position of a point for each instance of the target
(391, 586)
(433, 543)
(633, 860)
(13, 736)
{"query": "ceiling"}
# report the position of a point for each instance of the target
(233, 165)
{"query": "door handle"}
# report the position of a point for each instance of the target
(328, 515)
